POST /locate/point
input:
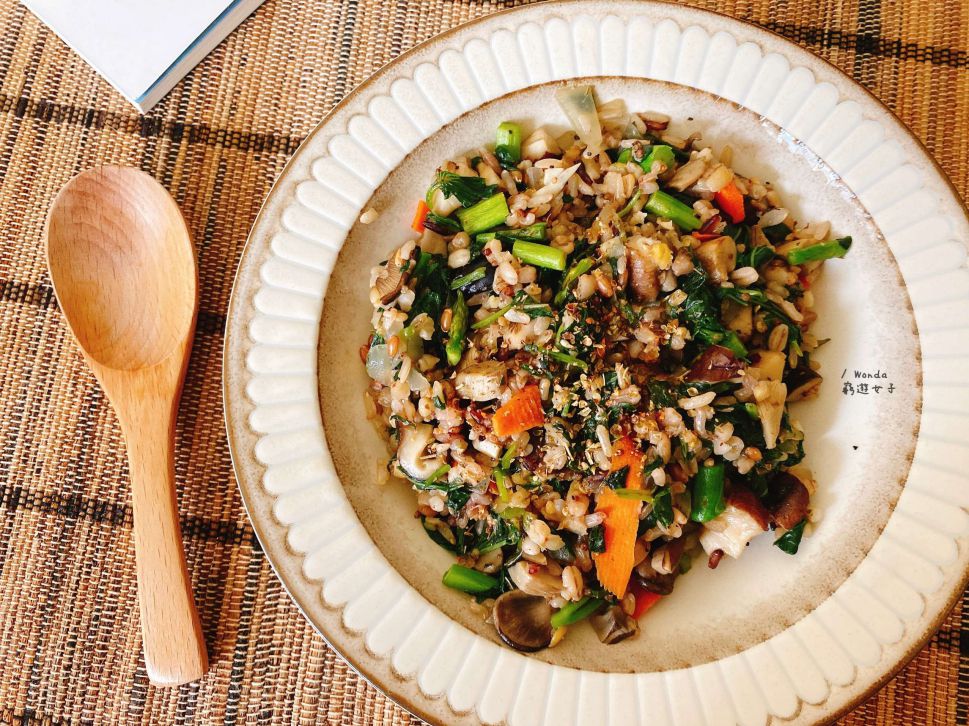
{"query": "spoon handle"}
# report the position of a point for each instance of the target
(173, 642)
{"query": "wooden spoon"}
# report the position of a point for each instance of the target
(123, 269)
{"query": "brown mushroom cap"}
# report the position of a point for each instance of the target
(523, 621)
(789, 500)
(614, 625)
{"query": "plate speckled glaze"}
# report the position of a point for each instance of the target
(764, 638)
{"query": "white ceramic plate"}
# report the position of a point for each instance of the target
(767, 637)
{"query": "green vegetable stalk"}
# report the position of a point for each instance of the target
(476, 274)
(508, 144)
(467, 580)
(661, 153)
(663, 205)
(484, 215)
(708, 500)
(573, 612)
(821, 251)
(458, 331)
(540, 255)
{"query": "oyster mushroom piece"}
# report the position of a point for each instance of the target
(523, 621)
(742, 520)
(481, 381)
(614, 625)
(643, 273)
(392, 277)
(770, 397)
(539, 583)
(412, 452)
(688, 175)
(718, 257)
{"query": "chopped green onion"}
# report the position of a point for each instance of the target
(573, 612)
(640, 494)
(822, 251)
(751, 409)
(476, 274)
(533, 233)
(531, 253)
(791, 539)
(630, 204)
(438, 473)
(708, 500)
(485, 322)
(569, 360)
(575, 272)
(509, 456)
(508, 144)
(660, 153)
(500, 483)
(663, 205)
(467, 580)
(458, 330)
(512, 513)
(624, 156)
(484, 215)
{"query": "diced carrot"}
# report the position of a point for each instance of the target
(522, 412)
(644, 599)
(615, 564)
(731, 202)
(419, 216)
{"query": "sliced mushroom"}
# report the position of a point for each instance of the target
(392, 276)
(718, 257)
(412, 452)
(643, 273)
(715, 364)
(523, 621)
(743, 498)
(481, 381)
(668, 554)
(614, 625)
(770, 397)
(788, 499)
(802, 384)
(688, 174)
(540, 582)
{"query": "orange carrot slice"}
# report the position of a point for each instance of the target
(731, 202)
(417, 224)
(522, 412)
(615, 564)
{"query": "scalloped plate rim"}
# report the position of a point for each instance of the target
(247, 264)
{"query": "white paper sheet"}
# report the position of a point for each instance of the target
(142, 47)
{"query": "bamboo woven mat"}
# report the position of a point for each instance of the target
(69, 638)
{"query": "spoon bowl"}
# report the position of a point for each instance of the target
(129, 305)
(123, 269)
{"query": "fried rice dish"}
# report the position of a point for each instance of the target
(583, 360)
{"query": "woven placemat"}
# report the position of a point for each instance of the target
(70, 648)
